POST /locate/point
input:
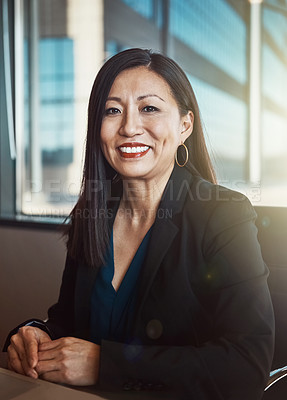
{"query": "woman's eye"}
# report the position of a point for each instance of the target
(112, 111)
(150, 109)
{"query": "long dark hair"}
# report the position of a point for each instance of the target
(88, 229)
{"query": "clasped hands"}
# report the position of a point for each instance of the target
(66, 360)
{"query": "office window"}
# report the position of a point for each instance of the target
(49, 143)
(214, 30)
(60, 59)
(225, 125)
(214, 35)
(274, 108)
(64, 43)
(280, 3)
(144, 7)
(130, 23)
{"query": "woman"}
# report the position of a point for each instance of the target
(164, 285)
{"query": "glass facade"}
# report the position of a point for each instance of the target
(206, 27)
(66, 41)
(274, 107)
(225, 121)
(56, 92)
(60, 61)
(145, 8)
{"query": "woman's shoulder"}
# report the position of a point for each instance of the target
(204, 190)
(214, 204)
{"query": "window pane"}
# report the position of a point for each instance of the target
(274, 109)
(225, 123)
(214, 30)
(143, 7)
(61, 59)
(214, 33)
(131, 23)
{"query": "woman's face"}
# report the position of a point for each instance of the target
(142, 126)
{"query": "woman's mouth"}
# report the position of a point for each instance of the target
(133, 150)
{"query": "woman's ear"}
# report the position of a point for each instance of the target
(187, 125)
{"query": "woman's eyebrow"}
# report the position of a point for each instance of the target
(114, 99)
(149, 95)
(118, 99)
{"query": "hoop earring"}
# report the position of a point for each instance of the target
(186, 155)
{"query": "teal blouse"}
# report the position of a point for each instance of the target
(111, 310)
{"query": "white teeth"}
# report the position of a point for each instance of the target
(133, 149)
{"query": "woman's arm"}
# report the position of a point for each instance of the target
(61, 316)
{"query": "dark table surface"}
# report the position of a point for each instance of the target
(121, 395)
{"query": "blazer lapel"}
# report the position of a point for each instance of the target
(162, 236)
(165, 228)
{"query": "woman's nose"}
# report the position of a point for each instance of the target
(131, 123)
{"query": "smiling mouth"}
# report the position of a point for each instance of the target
(133, 150)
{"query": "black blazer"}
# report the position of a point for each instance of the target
(203, 325)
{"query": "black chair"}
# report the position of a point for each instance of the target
(275, 376)
(272, 236)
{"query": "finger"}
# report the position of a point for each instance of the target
(27, 369)
(31, 349)
(30, 341)
(20, 365)
(19, 343)
(17, 351)
(16, 343)
(44, 367)
(54, 376)
(53, 344)
(48, 355)
(14, 362)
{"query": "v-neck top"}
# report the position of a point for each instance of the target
(111, 310)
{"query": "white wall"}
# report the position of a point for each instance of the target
(31, 266)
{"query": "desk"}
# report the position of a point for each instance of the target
(19, 387)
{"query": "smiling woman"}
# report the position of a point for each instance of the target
(164, 286)
(120, 113)
(141, 132)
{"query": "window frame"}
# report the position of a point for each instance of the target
(7, 160)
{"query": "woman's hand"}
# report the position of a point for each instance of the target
(69, 360)
(23, 350)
